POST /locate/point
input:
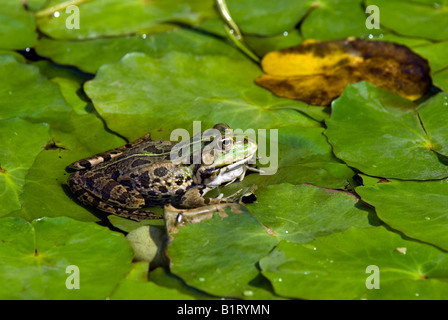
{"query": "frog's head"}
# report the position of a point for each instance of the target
(225, 158)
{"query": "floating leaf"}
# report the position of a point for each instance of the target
(35, 257)
(18, 26)
(335, 267)
(434, 115)
(324, 19)
(29, 95)
(115, 17)
(20, 143)
(416, 208)
(213, 89)
(219, 255)
(377, 132)
(89, 55)
(45, 191)
(422, 18)
(307, 212)
(318, 72)
(441, 80)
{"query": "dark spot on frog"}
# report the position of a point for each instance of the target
(160, 171)
(152, 193)
(115, 175)
(144, 180)
(156, 180)
(163, 189)
(86, 164)
(180, 192)
(140, 162)
(207, 173)
(153, 149)
(106, 190)
(127, 183)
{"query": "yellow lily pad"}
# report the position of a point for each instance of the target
(318, 72)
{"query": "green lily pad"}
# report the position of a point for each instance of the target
(137, 287)
(336, 267)
(422, 18)
(308, 212)
(20, 143)
(324, 20)
(434, 114)
(412, 43)
(18, 29)
(89, 55)
(139, 90)
(45, 191)
(15, 55)
(262, 45)
(219, 255)
(115, 17)
(416, 208)
(29, 95)
(52, 70)
(441, 80)
(376, 132)
(225, 264)
(35, 258)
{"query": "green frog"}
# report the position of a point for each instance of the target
(144, 173)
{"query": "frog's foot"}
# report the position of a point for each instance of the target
(240, 194)
(194, 197)
(254, 169)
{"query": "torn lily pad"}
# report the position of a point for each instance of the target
(318, 72)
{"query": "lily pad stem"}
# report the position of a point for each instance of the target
(233, 32)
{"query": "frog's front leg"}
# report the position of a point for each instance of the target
(194, 198)
(108, 195)
(90, 162)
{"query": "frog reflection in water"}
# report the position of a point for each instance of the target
(125, 180)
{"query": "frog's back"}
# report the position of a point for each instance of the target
(149, 170)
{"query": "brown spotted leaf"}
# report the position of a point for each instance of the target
(318, 72)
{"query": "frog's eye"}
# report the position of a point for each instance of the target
(226, 144)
